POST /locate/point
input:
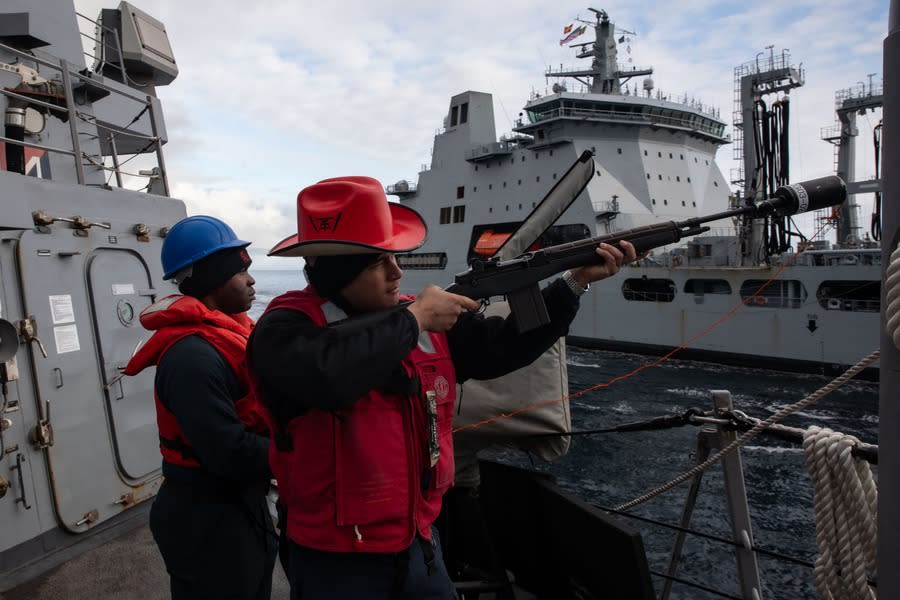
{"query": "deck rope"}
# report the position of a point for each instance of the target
(892, 295)
(772, 419)
(845, 498)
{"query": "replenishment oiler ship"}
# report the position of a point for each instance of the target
(711, 298)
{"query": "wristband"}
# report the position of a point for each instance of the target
(576, 287)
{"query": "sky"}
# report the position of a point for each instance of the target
(274, 96)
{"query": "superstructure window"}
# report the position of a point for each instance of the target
(422, 260)
(461, 191)
(856, 296)
(645, 289)
(464, 113)
(459, 213)
(454, 113)
(487, 239)
(445, 215)
(777, 294)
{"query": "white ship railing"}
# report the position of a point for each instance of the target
(85, 82)
(683, 100)
(693, 122)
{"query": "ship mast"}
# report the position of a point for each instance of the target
(849, 103)
(606, 77)
(753, 82)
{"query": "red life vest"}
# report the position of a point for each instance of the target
(174, 318)
(369, 477)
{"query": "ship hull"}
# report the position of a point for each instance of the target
(726, 328)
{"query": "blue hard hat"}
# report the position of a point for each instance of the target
(194, 238)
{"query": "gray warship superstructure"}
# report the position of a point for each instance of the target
(79, 259)
(741, 293)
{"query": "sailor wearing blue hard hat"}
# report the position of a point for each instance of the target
(210, 518)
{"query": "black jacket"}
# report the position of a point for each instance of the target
(299, 365)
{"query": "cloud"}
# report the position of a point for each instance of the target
(273, 96)
(255, 218)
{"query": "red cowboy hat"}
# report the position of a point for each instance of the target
(351, 215)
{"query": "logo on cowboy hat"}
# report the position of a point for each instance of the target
(368, 222)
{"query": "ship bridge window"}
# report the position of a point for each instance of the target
(646, 289)
(422, 260)
(464, 113)
(777, 294)
(454, 114)
(487, 239)
(856, 296)
(707, 286)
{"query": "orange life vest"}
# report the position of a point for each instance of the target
(174, 318)
(369, 477)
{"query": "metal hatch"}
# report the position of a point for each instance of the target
(102, 457)
(120, 288)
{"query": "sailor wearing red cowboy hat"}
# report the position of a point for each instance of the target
(361, 408)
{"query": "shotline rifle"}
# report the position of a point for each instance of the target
(518, 278)
(516, 273)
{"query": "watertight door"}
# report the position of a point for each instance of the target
(93, 466)
(120, 288)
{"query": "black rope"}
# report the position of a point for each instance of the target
(739, 422)
(789, 434)
(876, 213)
(711, 537)
(771, 145)
(656, 423)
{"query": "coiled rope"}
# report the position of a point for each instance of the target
(778, 416)
(845, 499)
(892, 295)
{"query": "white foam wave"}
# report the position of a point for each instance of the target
(774, 449)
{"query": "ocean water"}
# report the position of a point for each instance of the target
(611, 469)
